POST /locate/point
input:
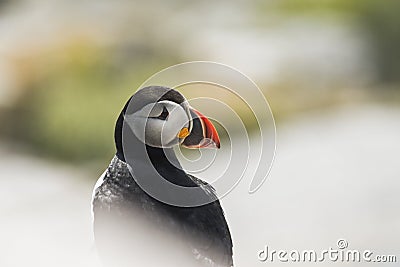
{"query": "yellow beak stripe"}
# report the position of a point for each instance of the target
(183, 133)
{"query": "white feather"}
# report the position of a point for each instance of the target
(96, 186)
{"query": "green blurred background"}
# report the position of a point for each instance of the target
(66, 68)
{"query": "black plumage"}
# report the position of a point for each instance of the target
(133, 228)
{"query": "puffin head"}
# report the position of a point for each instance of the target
(161, 117)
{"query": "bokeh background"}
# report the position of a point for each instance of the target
(329, 69)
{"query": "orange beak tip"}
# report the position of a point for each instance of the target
(210, 133)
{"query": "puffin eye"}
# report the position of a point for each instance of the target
(164, 114)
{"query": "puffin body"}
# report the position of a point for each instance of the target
(132, 227)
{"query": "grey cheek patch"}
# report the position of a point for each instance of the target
(157, 132)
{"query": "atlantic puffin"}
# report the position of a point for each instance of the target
(131, 226)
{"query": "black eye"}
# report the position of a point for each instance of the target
(164, 114)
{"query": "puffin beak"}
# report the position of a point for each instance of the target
(203, 133)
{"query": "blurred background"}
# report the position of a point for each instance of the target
(329, 69)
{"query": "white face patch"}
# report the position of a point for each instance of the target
(159, 124)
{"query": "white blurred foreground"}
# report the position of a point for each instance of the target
(336, 175)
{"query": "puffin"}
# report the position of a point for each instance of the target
(147, 211)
